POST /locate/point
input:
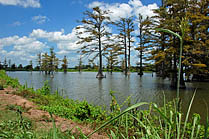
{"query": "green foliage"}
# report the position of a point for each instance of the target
(18, 128)
(6, 81)
(22, 128)
(114, 106)
(14, 129)
(45, 90)
(65, 64)
(154, 123)
(48, 63)
(72, 109)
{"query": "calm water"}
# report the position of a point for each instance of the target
(80, 86)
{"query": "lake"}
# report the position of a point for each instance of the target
(85, 85)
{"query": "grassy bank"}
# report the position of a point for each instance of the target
(164, 122)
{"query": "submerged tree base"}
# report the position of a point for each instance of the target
(100, 75)
(140, 73)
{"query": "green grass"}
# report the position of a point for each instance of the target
(6, 81)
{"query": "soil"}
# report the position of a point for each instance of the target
(42, 118)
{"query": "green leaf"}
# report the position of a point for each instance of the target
(169, 31)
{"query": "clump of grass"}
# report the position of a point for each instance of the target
(17, 128)
(164, 122)
(6, 81)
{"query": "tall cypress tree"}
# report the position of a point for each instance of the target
(94, 26)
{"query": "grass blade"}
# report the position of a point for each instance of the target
(187, 116)
(114, 118)
(178, 125)
(162, 114)
(193, 127)
(207, 123)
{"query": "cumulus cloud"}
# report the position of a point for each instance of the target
(146, 10)
(124, 10)
(65, 42)
(22, 44)
(23, 3)
(135, 3)
(116, 10)
(40, 19)
(22, 49)
(97, 4)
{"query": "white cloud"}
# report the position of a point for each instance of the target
(146, 10)
(135, 3)
(23, 3)
(40, 19)
(124, 10)
(97, 4)
(63, 52)
(21, 49)
(116, 10)
(22, 44)
(65, 42)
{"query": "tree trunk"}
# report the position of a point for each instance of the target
(125, 54)
(100, 74)
(162, 70)
(129, 55)
(111, 68)
(141, 68)
(65, 70)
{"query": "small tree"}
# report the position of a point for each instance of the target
(51, 61)
(65, 64)
(20, 67)
(39, 60)
(80, 64)
(111, 54)
(144, 39)
(9, 63)
(31, 65)
(125, 27)
(45, 63)
(5, 63)
(121, 25)
(130, 29)
(13, 66)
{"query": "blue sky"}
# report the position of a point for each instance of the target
(28, 27)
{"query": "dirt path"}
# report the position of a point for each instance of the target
(40, 117)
